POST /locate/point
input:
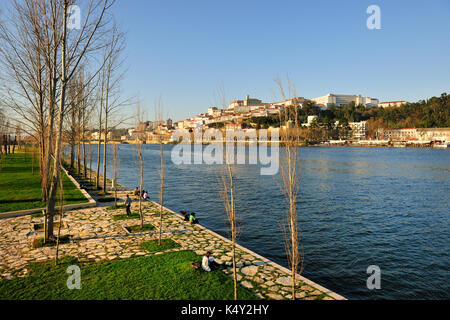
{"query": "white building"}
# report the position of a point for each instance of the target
(214, 112)
(392, 104)
(244, 104)
(416, 134)
(359, 129)
(341, 100)
(290, 102)
(311, 119)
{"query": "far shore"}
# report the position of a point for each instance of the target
(394, 145)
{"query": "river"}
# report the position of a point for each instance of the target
(357, 207)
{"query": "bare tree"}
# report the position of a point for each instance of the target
(162, 173)
(115, 166)
(71, 58)
(228, 194)
(112, 77)
(228, 197)
(139, 149)
(290, 184)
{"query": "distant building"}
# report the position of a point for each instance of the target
(96, 136)
(214, 112)
(311, 119)
(341, 100)
(359, 129)
(233, 126)
(415, 134)
(392, 104)
(244, 105)
(289, 102)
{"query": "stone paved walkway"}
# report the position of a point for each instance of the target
(97, 237)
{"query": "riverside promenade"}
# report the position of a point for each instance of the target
(97, 237)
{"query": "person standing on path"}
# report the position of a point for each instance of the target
(128, 205)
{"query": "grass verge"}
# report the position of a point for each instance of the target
(20, 186)
(118, 217)
(138, 228)
(160, 277)
(119, 206)
(166, 244)
(39, 242)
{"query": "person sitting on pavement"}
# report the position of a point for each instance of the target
(193, 219)
(208, 263)
(185, 215)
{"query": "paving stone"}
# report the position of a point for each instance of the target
(275, 296)
(250, 270)
(246, 284)
(96, 237)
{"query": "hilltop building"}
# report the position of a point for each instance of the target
(294, 101)
(243, 106)
(341, 100)
(392, 104)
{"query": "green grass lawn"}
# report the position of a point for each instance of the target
(20, 189)
(161, 277)
(137, 228)
(153, 245)
(132, 216)
(119, 206)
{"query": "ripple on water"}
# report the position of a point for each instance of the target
(357, 207)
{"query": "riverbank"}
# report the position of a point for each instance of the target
(300, 144)
(96, 238)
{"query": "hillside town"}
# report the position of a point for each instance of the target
(247, 114)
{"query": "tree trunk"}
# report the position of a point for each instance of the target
(57, 157)
(104, 150)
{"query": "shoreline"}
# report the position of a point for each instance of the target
(281, 144)
(265, 278)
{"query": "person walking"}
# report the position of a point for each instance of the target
(128, 205)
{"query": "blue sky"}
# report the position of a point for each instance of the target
(184, 50)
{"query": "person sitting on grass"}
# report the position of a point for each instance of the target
(208, 263)
(136, 191)
(193, 219)
(185, 215)
(128, 205)
(145, 196)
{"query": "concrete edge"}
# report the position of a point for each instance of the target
(265, 260)
(90, 204)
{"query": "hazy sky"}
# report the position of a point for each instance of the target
(185, 50)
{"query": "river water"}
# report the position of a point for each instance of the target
(357, 207)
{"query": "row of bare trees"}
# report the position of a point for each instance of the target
(49, 74)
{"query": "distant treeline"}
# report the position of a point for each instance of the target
(432, 113)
